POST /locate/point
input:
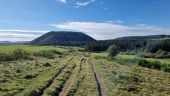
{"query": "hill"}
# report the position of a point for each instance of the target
(128, 43)
(15, 42)
(62, 38)
(151, 37)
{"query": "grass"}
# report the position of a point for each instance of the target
(100, 54)
(71, 74)
(163, 61)
(15, 52)
(88, 86)
(59, 81)
(28, 48)
(74, 81)
(120, 80)
(24, 75)
(159, 64)
(14, 73)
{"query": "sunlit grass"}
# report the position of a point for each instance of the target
(28, 48)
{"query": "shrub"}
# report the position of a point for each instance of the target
(47, 53)
(159, 54)
(3, 56)
(18, 54)
(112, 51)
(162, 54)
(47, 64)
(14, 55)
(167, 69)
(128, 61)
(30, 75)
(54, 51)
(156, 65)
(150, 64)
(144, 63)
(147, 55)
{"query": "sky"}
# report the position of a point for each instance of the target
(25, 20)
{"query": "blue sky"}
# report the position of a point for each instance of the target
(102, 19)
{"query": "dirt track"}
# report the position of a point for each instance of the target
(99, 82)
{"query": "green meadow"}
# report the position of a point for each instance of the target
(69, 71)
(28, 48)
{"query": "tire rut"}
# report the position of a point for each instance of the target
(41, 90)
(76, 73)
(99, 82)
(59, 82)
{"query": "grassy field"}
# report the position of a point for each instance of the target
(132, 57)
(75, 73)
(150, 59)
(28, 48)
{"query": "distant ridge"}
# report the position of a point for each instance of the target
(62, 38)
(14, 42)
(150, 37)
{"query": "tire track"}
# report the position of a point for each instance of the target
(57, 85)
(99, 82)
(41, 89)
(76, 73)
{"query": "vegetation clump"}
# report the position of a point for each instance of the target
(19, 53)
(47, 64)
(113, 51)
(160, 54)
(47, 53)
(143, 62)
(22, 54)
(153, 64)
(167, 69)
(30, 75)
(14, 55)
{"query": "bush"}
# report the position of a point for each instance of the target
(147, 55)
(19, 53)
(159, 54)
(3, 57)
(113, 51)
(162, 54)
(167, 69)
(128, 61)
(30, 75)
(144, 63)
(14, 55)
(47, 53)
(150, 64)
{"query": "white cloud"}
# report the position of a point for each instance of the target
(81, 4)
(17, 37)
(20, 31)
(62, 1)
(109, 30)
(115, 22)
(20, 35)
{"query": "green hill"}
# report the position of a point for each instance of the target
(151, 37)
(62, 38)
(129, 43)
